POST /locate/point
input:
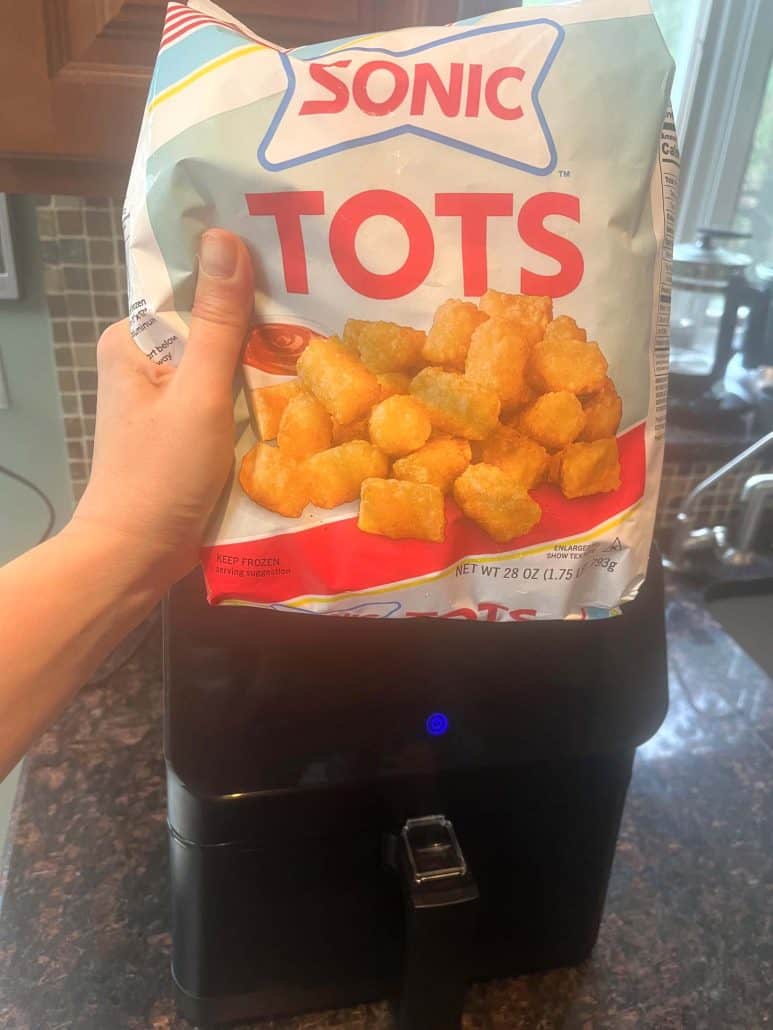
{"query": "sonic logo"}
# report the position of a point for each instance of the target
(476, 90)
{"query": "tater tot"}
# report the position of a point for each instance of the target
(497, 358)
(335, 476)
(531, 313)
(274, 481)
(385, 346)
(391, 383)
(476, 450)
(564, 328)
(494, 303)
(348, 343)
(339, 381)
(305, 428)
(567, 365)
(402, 510)
(519, 457)
(452, 328)
(589, 468)
(269, 402)
(554, 419)
(553, 474)
(511, 414)
(499, 505)
(399, 425)
(351, 431)
(455, 404)
(439, 463)
(603, 411)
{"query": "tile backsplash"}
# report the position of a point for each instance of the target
(85, 279)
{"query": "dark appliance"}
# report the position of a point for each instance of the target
(364, 808)
(708, 280)
(749, 374)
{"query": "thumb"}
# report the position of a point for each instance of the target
(221, 310)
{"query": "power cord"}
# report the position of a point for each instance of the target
(35, 489)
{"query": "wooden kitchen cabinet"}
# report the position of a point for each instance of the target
(74, 74)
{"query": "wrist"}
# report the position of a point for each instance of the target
(137, 569)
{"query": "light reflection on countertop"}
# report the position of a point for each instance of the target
(718, 694)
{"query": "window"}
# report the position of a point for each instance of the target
(732, 57)
(754, 212)
(680, 22)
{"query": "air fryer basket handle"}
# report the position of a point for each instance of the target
(440, 912)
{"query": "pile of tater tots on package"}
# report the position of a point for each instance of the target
(492, 400)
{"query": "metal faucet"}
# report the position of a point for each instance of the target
(755, 496)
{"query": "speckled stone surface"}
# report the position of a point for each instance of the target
(687, 939)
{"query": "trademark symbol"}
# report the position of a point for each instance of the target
(564, 173)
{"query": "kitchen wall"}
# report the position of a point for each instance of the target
(31, 428)
(85, 283)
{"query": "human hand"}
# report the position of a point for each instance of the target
(163, 444)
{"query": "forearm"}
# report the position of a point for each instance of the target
(63, 607)
(162, 453)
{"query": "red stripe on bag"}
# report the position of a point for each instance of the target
(180, 20)
(176, 13)
(178, 30)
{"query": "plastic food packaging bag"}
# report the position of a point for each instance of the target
(453, 394)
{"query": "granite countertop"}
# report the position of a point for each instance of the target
(686, 940)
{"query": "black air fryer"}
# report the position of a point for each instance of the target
(364, 809)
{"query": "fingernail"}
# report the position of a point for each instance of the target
(218, 255)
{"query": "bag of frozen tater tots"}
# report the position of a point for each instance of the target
(452, 396)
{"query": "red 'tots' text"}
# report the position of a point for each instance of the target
(486, 611)
(472, 210)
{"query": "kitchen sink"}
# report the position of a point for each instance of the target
(745, 610)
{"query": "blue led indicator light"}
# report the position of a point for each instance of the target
(437, 724)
